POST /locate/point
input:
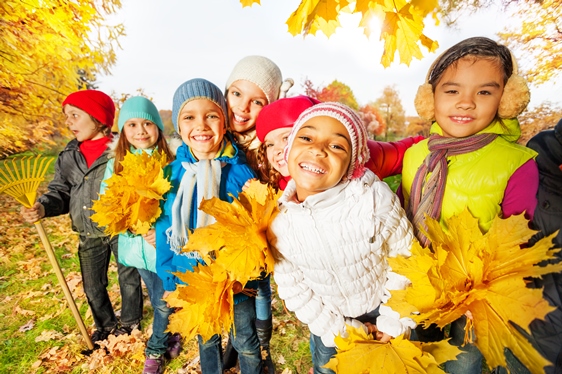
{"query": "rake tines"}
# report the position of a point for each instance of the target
(20, 177)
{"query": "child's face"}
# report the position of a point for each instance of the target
(245, 101)
(320, 156)
(81, 125)
(141, 133)
(275, 142)
(467, 97)
(201, 126)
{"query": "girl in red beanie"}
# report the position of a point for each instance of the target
(79, 171)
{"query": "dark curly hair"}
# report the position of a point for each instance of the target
(266, 172)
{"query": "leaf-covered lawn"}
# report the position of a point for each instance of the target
(38, 333)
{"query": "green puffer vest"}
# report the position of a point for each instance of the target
(476, 180)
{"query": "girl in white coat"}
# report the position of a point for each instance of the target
(337, 225)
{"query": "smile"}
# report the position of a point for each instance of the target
(461, 119)
(312, 169)
(202, 138)
(237, 118)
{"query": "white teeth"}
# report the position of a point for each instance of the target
(240, 119)
(312, 169)
(202, 137)
(462, 118)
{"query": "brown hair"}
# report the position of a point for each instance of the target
(123, 146)
(265, 171)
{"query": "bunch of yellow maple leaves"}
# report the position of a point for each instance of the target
(235, 251)
(132, 198)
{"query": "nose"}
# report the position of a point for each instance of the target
(318, 150)
(244, 105)
(465, 102)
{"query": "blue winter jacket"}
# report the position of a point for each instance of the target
(234, 175)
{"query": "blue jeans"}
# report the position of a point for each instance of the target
(322, 354)
(245, 342)
(94, 255)
(468, 362)
(263, 299)
(158, 342)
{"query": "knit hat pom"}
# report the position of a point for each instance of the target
(139, 107)
(282, 113)
(352, 122)
(194, 89)
(95, 103)
(264, 73)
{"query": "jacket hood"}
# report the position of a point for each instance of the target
(508, 129)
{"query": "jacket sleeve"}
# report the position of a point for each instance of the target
(398, 242)
(308, 307)
(164, 255)
(386, 157)
(521, 191)
(57, 199)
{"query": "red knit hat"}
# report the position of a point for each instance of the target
(95, 103)
(281, 113)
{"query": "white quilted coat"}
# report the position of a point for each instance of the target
(334, 248)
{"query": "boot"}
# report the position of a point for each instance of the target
(265, 330)
(230, 356)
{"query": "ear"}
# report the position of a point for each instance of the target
(424, 102)
(515, 97)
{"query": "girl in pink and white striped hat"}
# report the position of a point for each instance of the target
(337, 225)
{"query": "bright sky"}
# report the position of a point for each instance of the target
(171, 41)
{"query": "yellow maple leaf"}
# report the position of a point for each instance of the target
(206, 302)
(132, 198)
(359, 353)
(237, 240)
(481, 273)
(246, 3)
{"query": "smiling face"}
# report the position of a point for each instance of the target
(275, 142)
(320, 156)
(201, 126)
(467, 96)
(141, 133)
(81, 125)
(245, 101)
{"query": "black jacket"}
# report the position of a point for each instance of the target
(73, 188)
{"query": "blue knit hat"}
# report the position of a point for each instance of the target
(197, 89)
(139, 107)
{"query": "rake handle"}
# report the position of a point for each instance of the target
(64, 285)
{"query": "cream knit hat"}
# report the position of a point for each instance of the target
(264, 73)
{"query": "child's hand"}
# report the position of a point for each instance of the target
(379, 335)
(237, 288)
(150, 237)
(247, 184)
(33, 214)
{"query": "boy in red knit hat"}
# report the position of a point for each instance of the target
(79, 171)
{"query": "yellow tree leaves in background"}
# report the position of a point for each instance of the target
(235, 250)
(402, 22)
(359, 353)
(47, 49)
(481, 273)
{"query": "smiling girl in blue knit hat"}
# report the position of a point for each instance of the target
(208, 164)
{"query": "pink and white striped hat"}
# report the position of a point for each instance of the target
(354, 125)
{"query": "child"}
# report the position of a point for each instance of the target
(254, 82)
(141, 130)
(547, 334)
(337, 224)
(208, 164)
(274, 125)
(79, 171)
(474, 95)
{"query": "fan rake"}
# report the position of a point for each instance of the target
(20, 178)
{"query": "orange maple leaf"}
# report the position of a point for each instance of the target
(237, 240)
(481, 273)
(359, 353)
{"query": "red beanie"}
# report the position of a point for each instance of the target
(95, 103)
(281, 113)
